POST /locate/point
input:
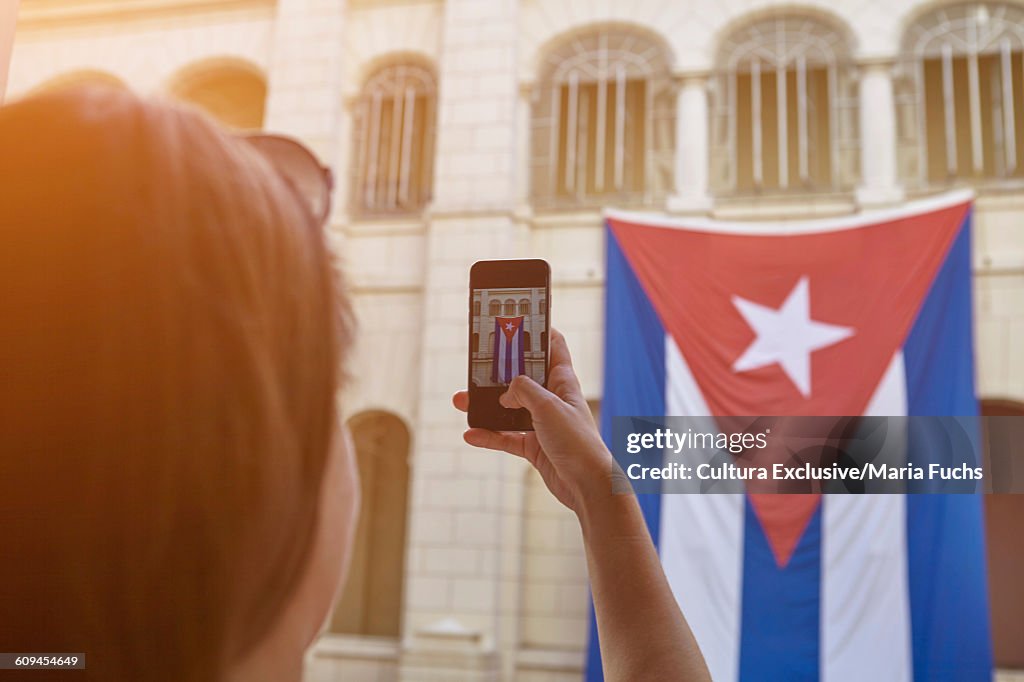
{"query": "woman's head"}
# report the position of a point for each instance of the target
(172, 345)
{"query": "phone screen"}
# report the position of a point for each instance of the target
(508, 336)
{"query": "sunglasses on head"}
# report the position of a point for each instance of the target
(300, 168)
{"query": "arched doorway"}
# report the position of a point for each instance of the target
(371, 603)
(232, 91)
(1004, 525)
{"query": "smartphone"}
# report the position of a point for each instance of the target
(509, 326)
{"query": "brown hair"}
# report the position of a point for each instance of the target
(172, 337)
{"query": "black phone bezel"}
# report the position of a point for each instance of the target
(484, 410)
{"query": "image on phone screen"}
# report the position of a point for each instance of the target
(508, 336)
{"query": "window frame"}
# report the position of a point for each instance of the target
(969, 32)
(778, 47)
(607, 59)
(404, 83)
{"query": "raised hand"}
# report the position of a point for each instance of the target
(565, 447)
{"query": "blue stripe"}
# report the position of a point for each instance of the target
(781, 608)
(507, 379)
(949, 617)
(521, 356)
(495, 362)
(634, 378)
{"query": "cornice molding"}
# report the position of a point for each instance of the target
(36, 14)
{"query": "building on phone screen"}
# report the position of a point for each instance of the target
(494, 305)
(461, 130)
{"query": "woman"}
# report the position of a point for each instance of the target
(176, 496)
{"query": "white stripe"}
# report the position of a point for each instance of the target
(791, 227)
(502, 352)
(514, 359)
(865, 618)
(701, 542)
(890, 398)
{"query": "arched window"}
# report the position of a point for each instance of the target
(524, 306)
(476, 308)
(490, 343)
(603, 120)
(371, 603)
(494, 308)
(510, 307)
(476, 342)
(89, 76)
(526, 342)
(544, 342)
(784, 110)
(393, 144)
(543, 306)
(233, 92)
(961, 95)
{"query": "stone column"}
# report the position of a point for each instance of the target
(524, 122)
(476, 163)
(305, 75)
(462, 570)
(691, 165)
(879, 184)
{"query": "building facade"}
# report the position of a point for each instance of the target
(470, 129)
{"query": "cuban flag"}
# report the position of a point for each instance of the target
(509, 359)
(867, 314)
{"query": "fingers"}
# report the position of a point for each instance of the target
(525, 392)
(516, 398)
(558, 350)
(560, 370)
(511, 443)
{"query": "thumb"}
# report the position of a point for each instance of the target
(525, 392)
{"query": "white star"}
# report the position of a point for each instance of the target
(786, 336)
(508, 326)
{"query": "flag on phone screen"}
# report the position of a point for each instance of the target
(509, 360)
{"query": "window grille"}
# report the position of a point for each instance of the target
(603, 122)
(960, 96)
(510, 307)
(524, 307)
(393, 149)
(476, 308)
(784, 110)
